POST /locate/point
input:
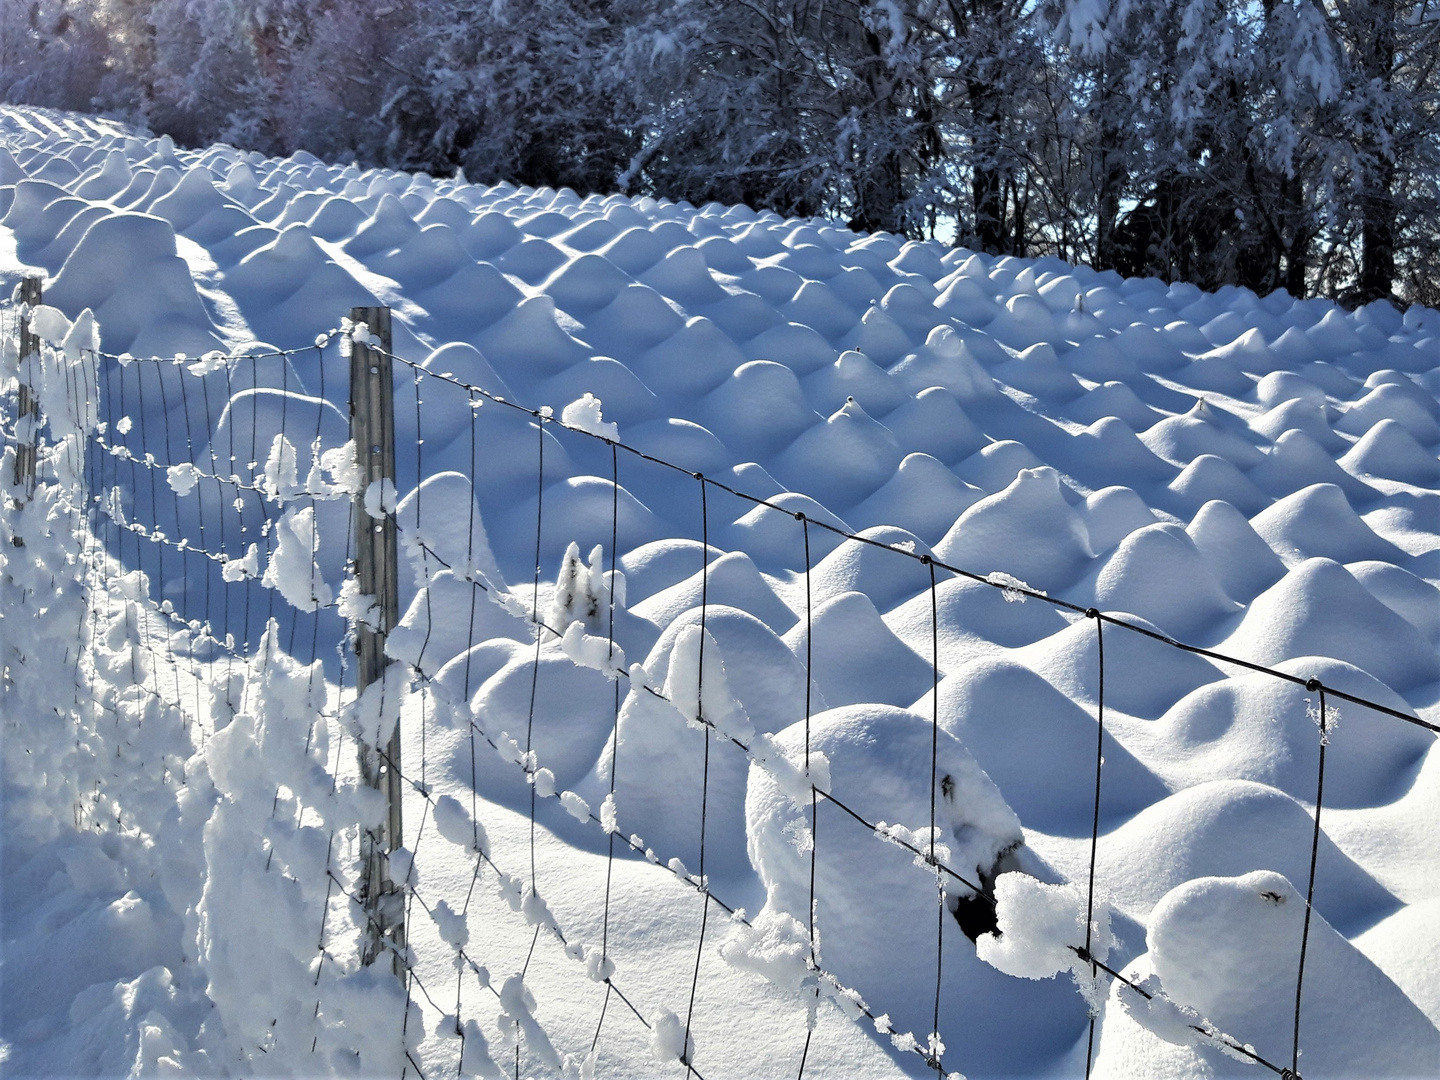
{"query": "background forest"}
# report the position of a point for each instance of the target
(1268, 143)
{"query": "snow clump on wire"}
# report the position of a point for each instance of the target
(584, 414)
(1042, 932)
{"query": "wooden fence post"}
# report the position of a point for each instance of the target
(28, 411)
(372, 427)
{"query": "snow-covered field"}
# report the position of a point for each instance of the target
(1254, 476)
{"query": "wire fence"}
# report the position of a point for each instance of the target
(187, 511)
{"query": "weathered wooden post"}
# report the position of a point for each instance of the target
(372, 427)
(28, 411)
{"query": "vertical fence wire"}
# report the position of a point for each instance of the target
(686, 1054)
(1092, 613)
(614, 735)
(417, 492)
(534, 685)
(1315, 687)
(941, 909)
(814, 794)
(536, 619)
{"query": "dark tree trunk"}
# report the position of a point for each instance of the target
(1377, 198)
(1112, 176)
(1377, 270)
(878, 196)
(987, 184)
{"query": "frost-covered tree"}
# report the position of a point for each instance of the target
(532, 92)
(992, 67)
(1389, 127)
(52, 52)
(1285, 144)
(806, 106)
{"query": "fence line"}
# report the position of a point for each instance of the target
(75, 460)
(1313, 685)
(103, 523)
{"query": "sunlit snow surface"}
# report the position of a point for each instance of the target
(1256, 475)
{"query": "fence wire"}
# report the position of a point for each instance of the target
(210, 519)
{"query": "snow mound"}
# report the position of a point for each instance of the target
(765, 675)
(1236, 554)
(1028, 530)
(731, 580)
(1158, 573)
(855, 657)
(1319, 522)
(1255, 727)
(126, 270)
(1227, 948)
(1225, 828)
(1319, 609)
(879, 760)
(1070, 661)
(1039, 747)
